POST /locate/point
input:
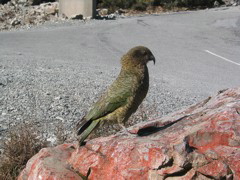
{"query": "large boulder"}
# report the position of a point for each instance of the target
(201, 142)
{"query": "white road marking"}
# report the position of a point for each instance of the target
(228, 60)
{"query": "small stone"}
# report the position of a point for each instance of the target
(103, 12)
(77, 17)
(216, 4)
(60, 118)
(15, 22)
(58, 98)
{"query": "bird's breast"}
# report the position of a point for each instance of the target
(140, 91)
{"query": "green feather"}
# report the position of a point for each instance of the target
(116, 96)
(89, 129)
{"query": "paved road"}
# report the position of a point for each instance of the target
(187, 45)
(55, 71)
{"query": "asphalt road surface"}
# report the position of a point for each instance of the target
(197, 54)
(198, 50)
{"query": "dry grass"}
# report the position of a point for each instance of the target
(22, 142)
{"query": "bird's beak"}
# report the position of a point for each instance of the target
(152, 58)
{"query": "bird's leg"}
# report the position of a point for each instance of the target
(125, 129)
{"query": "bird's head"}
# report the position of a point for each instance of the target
(138, 55)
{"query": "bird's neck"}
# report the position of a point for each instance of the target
(131, 64)
(138, 70)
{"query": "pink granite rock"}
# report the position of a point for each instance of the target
(201, 142)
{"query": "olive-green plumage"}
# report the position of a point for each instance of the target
(124, 95)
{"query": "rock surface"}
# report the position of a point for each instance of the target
(201, 142)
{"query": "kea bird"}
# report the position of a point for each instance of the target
(123, 96)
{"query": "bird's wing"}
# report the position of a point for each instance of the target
(116, 96)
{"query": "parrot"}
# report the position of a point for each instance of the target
(123, 96)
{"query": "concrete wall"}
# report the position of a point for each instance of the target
(72, 8)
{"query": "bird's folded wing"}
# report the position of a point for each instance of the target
(117, 96)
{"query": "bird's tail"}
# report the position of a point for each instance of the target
(86, 128)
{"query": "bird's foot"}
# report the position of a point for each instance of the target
(126, 132)
(130, 134)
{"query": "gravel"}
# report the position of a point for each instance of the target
(49, 92)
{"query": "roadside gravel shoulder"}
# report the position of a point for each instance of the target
(49, 92)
